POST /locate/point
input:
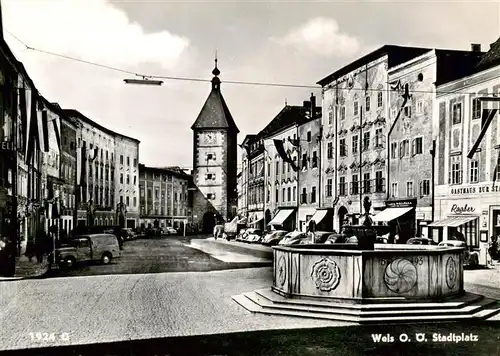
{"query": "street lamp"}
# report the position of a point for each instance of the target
(144, 81)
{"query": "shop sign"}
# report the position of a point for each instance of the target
(410, 203)
(476, 189)
(7, 146)
(464, 207)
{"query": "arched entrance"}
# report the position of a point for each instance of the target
(342, 215)
(208, 223)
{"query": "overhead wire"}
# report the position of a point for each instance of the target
(238, 82)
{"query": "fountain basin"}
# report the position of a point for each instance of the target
(341, 273)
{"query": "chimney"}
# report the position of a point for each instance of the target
(475, 47)
(313, 106)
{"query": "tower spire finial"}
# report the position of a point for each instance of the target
(216, 70)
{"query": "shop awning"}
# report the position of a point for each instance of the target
(280, 218)
(319, 215)
(390, 214)
(452, 221)
(256, 221)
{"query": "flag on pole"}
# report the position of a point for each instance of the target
(281, 151)
(44, 134)
(58, 137)
(23, 100)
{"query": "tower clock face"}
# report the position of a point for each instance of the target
(209, 138)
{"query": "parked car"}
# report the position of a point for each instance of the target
(319, 237)
(470, 258)
(169, 230)
(293, 238)
(273, 237)
(421, 241)
(93, 247)
(341, 239)
(254, 236)
(243, 232)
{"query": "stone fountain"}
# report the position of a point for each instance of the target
(369, 283)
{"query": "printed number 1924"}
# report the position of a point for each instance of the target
(48, 337)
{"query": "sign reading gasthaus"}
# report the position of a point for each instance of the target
(475, 189)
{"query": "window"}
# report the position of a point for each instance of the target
(309, 136)
(329, 186)
(342, 186)
(456, 170)
(315, 160)
(210, 156)
(366, 183)
(329, 150)
(135, 179)
(128, 179)
(135, 162)
(394, 190)
(128, 161)
(367, 103)
(210, 176)
(379, 182)
(404, 148)
(303, 197)
(474, 170)
(379, 99)
(355, 184)
(425, 187)
(366, 141)
(121, 178)
(157, 193)
(294, 193)
(289, 194)
(407, 110)
(378, 138)
(342, 146)
(304, 160)
(268, 169)
(356, 108)
(476, 109)
(417, 148)
(456, 113)
(121, 158)
(277, 168)
(498, 168)
(330, 117)
(211, 196)
(313, 195)
(127, 201)
(420, 106)
(355, 143)
(409, 189)
(394, 147)
(284, 195)
(342, 113)
(277, 196)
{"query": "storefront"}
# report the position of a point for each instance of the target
(400, 217)
(462, 219)
(256, 220)
(324, 219)
(305, 214)
(284, 220)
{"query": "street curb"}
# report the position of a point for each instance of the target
(235, 246)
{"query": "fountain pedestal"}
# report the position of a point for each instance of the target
(391, 283)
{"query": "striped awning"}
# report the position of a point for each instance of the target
(453, 221)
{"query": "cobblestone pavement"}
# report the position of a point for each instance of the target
(111, 308)
(167, 254)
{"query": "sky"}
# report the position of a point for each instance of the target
(258, 41)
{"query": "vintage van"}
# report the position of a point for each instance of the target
(93, 247)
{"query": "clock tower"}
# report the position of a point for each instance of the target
(215, 156)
